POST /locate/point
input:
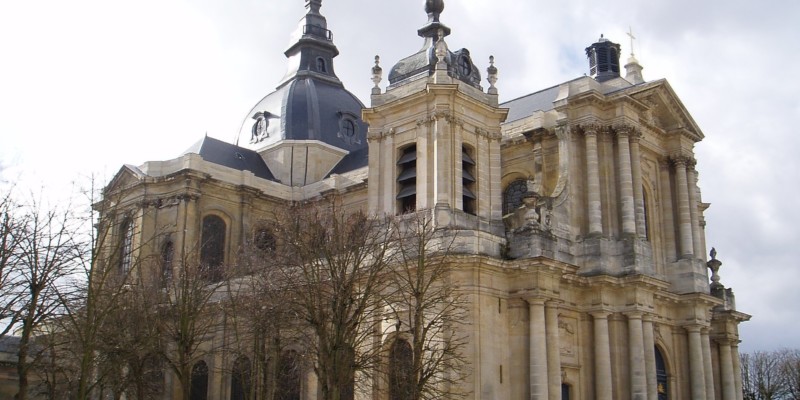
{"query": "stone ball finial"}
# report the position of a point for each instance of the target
(434, 8)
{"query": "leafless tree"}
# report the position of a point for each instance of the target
(762, 378)
(428, 309)
(790, 368)
(46, 250)
(334, 264)
(261, 316)
(188, 315)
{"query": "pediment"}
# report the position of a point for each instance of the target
(126, 177)
(665, 110)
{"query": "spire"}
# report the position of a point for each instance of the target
(433, 27)
(312, 46)
(633, 70)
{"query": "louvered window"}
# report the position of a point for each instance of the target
(468, 181)
(407, 180)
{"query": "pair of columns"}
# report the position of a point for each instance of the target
(642, 363)
(545, 350)
(630, 180)
(690, 237)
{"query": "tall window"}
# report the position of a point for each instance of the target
(241, 379)
(646, 216)
(125, 245)
(468, 182)
(661, 376)
(407, 180)
(513, 195)
(212, 249)
(288, 376)
(401, 371)
(199, 384)
(167, 256)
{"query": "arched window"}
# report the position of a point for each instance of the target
(125, 245)
(321, 65)
(153, 375)
(661, 376)
(407, 180)
(401, 371)
(212, 249)
(167, 257)
(199, 383)
(288, 378)
(264, 240)
(468, 182)
(241, 379)
(513, 195)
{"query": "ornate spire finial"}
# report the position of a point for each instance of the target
(313, 6)
(491, 76)
(377, 75)
(434, 8)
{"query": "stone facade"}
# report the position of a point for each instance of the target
(580, 224)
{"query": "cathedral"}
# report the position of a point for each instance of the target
(580, 223)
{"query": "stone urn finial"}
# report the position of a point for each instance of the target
(714, 265)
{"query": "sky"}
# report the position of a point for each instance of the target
(89, 85)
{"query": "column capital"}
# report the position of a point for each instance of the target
(684, 161)
(600, 314)
(694, 328)
(626, 130)
(634, 314)
(538, 301)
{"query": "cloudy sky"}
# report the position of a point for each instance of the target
(87, 85)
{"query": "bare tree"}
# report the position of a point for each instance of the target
(334, 263)
(428, 309)
(261, 317)
(46, 250)
(9, 293)
(762, 378)
(188, 315)
(790, 367)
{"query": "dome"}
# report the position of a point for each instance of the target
(310, 126)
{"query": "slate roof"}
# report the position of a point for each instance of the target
(231, 156)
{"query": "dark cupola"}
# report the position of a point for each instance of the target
(423, 63)
(310, 126)
(603, 59)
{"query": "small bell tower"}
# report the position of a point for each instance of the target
(434, 141)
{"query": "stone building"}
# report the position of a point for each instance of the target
(580, 223)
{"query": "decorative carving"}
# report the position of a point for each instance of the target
(567, 334)
(259, 131)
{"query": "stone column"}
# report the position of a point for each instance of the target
(707, 365)
(650, 357)
(553, 351)
(625, 181)
(667, 217)
(538, 343)
(636, 356)
(602, 357)
(696, 373)
(684, 215)
(737, 370)
(593, 181)
(694, 211)
(638, 191)
(726, 370)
